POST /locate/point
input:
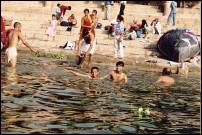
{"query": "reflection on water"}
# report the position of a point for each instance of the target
(42, 98)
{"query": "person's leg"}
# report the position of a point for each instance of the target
(121, 49)
(108, 12)
(89, 60)
(13, 62)
(169, 17)
(174, 17)
(115, 47)
(105, 12)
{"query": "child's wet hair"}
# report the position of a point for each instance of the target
(53, 15)
(16, 24)
(120, 63)
(94, 68)
(166, 71)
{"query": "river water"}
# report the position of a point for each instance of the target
(39, 97)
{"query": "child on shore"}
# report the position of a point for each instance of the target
(51, 29)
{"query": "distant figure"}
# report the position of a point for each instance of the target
(122, 7)
(72, 20)
(135, 29)
(51, 29)
(165, 79)
(107, 6)
(94, 19)
(58, 11)
(172, 14)
(118, 40)
(63, 9)
(144, 27)
(156, 26)
(13, 39)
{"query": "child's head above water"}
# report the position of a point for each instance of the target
(166, 72)
(120, 63)
(94, 72)
(119, 66)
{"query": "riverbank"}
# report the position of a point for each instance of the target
(133, 62)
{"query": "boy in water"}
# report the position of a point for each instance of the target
(94, 74)
(117, 75)
(165, 79)
(13, 39)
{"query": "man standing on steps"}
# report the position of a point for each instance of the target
(13, 39)
(172, 14)
(107, 6)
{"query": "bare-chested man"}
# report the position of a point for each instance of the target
(117, 75)
(13, 39)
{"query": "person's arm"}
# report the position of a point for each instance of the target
(25, 43)
(76, 73)
(126, 79)
(104, 77)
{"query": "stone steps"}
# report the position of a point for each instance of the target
(29, 15)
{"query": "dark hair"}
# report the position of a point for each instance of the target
(94, 68)
(86, 10)
(16, 24)
(69, 7)
(166, 71)
(144, 22)
(53, 15)
(95, 11)
(58, 4)
(120, 63)
(119, 17)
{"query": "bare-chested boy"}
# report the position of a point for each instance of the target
(165, 79)
(117, 75)
(13, 39)
(94, 74)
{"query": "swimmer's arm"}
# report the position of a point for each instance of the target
(76, 73)
(24, 42)
(104, 77)
(126, 79)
